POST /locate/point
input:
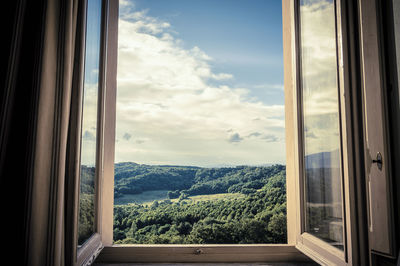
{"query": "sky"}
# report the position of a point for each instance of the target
(319, 77)
(200, 83)
(91, 84)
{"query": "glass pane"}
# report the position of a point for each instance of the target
(86, 225)
(200, 137)
(323, 192)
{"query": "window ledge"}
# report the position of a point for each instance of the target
(211, 264)
(201, 253)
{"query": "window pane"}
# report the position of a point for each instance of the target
(322, 161)
(86, 225)
(200, 140)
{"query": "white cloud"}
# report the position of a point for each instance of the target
(269, 86)
(254, 134)
(124, 3)
(200, 54)
(270, 138)
(319, 73)
(179, 118)
(89, 124)
(222, 76)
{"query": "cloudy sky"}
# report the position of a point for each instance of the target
(90, 92)
(319, 73)
(200, 82)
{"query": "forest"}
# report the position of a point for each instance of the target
(86, 204)
(245, 205)
(156, 204)
(132, 178)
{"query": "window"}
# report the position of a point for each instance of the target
(200, 147)
(330, 179)
(195, 252)
(329, 96)
(341, 80)
(89, 169)
(95, 79)
(323, 173)
(321, 122)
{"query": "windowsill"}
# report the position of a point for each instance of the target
(201, 253)
(213, 264)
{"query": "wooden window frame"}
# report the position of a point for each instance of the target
(197, 252)
(299, 242)
(317, 249)
(87, 253)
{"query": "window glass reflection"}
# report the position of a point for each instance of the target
(86, 225)
(323, 196)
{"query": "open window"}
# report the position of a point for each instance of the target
(342, 121)
(323, 141)
(94, 75)
(200, 124)
(338, 177)
(178, 252)
(331, 172)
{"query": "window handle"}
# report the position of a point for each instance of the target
(378, 160)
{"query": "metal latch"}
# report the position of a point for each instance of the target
(378, 160)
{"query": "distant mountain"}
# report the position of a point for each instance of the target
(323, 178)
(323, 160)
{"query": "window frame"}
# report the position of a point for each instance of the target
(299, 243)
(87, 253)
(195, 253)
(315, 248)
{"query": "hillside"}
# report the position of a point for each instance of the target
(132, 178)
(229, 205)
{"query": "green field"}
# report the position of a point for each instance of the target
(224, 196)
(149, 197)
(142, 198)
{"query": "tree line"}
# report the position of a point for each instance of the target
(258, 217)
(132, 178)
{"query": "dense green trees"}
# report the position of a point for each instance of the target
(258, 217)
(86, 203)
(131, 178)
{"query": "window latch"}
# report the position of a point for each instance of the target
(378, 160)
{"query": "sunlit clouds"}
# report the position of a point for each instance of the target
(89, 124)
(319, 76)
(169, 110)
